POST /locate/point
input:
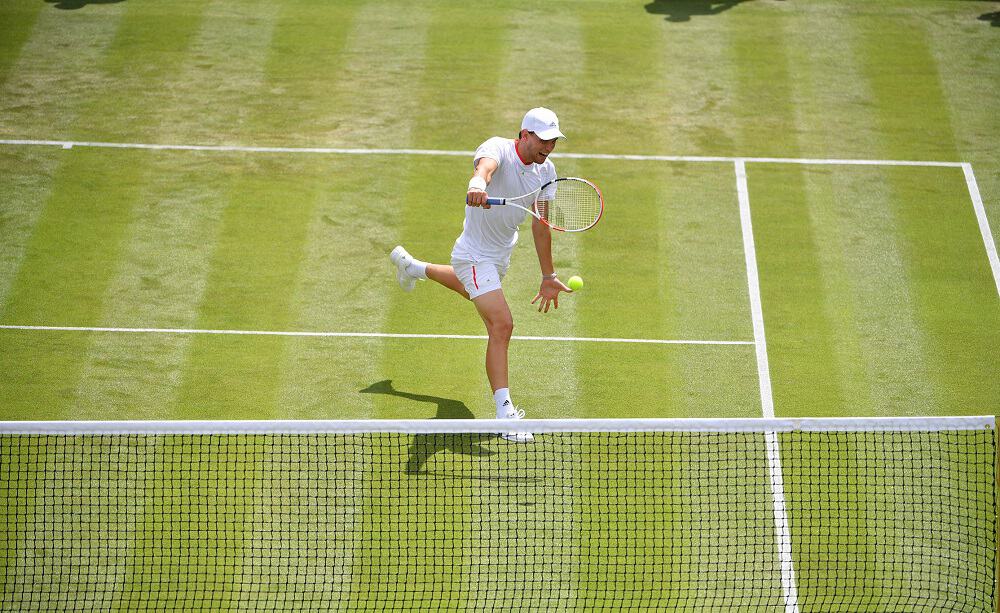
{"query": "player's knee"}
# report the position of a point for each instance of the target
(502, 327)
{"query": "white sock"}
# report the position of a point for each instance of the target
(502, 398)
(417, 269)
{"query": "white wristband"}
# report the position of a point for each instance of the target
(477, 183)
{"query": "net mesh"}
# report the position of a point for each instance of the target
(681, 521)
(572, 205)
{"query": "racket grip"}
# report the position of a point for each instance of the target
(496, 201)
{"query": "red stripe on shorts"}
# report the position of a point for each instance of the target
(474, 282)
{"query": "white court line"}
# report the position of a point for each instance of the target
(753, 282)
(782, 530)
(653, 341)
(68, 144)
(984, 223)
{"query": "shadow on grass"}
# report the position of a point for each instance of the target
(993, 18)
(70, 5)
(424, 446)
(683, 10)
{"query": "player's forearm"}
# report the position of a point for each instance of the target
(543, 246)
(485, 167)
(476, 196)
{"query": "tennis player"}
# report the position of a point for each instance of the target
(503, 167)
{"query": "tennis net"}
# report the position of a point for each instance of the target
(680, 515)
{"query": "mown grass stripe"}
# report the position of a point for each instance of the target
(27, 181)
(156, 280)
(907, 95)
(224, 28)
(383, 58)
(383, 62)
(45, 92)
(68, 271)
(303, 74)
(834, 225)
(207, 56)
(897, 377)
(698, 106)
(19, 19)
(700, 204)
(459, 93)
(49, 280)
(943, 246)
(303, 67)
(829, 96)
(684, 111)
(623, 54)
(968, 67)
(320, 285)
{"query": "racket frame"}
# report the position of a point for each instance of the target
(534, 202)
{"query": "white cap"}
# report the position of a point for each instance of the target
(542, 122)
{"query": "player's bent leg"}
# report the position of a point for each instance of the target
(445, 275)
(409, 270)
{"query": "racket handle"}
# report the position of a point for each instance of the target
(496, 201)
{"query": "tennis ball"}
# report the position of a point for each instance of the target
(575, 283)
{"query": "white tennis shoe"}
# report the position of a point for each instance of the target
(402, 259)
(515, 437)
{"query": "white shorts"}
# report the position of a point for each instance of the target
(479, 277)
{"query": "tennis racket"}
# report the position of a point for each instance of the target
(567, 204)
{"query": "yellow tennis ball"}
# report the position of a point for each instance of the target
(575, 283)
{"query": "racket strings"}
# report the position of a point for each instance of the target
(576, 205)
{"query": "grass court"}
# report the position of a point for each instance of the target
(193, 224)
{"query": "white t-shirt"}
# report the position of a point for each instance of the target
(489, 235)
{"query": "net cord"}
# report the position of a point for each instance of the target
(433, 426)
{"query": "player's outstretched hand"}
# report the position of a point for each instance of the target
(548, 293)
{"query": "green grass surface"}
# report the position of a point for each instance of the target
(876, 290)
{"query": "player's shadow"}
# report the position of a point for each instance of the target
(683, 10)
(70, 5)
(424, 446)
(993, 18)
